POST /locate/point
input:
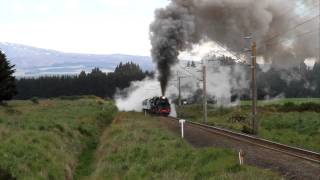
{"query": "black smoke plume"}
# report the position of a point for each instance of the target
(186, 22)
(170, 34)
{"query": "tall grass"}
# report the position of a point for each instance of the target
(282, 101)
(45, 140)
(136, 147)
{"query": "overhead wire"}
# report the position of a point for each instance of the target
(315, 8)
(296, 37)
(290, 29)
(195, 76)
(301, 16)
(229, 51)
(299, 8)
(269, 41)
(295, 27)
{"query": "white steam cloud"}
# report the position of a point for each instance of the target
(222, 82)
(139, 91)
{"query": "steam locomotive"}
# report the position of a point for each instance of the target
(157, 105)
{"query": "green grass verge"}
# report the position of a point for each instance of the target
(44, 140)
(138, 147)
(293, 123)
(283, 101)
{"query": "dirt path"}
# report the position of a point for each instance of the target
(290, 167)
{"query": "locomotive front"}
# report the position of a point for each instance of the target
(163, 106)
(157, 105)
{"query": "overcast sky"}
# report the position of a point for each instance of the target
(83, 26)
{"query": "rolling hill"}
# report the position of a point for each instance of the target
(32, 61)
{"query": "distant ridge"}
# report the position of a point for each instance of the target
(32, 61)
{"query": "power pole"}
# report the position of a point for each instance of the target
(255, 122)
(179, 88)
(179, 84)
(205, 110)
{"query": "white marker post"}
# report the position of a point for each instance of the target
(241, 157)
(182, 121)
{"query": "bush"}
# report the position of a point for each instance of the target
(309, 106)
(12, 111)
(238, 116)
(105, 117)
(6, 175)
(246, 129)
(34, 100)
(223, 110)
(73, 98)
(4, 104)
(100, 102)
(288, 106)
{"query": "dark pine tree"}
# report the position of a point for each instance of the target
(7, 80)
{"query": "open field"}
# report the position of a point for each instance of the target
(295, 122)
(138, 147)
(48, 139)
(283, 101)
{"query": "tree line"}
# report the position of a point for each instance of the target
(296, 82)
(95, 83)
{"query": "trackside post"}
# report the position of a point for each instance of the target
(241, 157)
(182, 121)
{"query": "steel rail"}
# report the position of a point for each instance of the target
(267, 144)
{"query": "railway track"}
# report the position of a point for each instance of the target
(307, 155)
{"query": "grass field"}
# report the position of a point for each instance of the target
(45, 139)
(283, 101)
(294, 122)
(138, 147)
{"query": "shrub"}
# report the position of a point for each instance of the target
(100, 102)
(222, 110)
(73, 98)
(246, 129)
(84, 131)
(4, 104)
(59, 127)
(238, 117)
(6, 175)
(34, 100)
(309, 106)
(12, 111)
(288, 106)
(105, 117)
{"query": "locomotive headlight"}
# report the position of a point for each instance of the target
(163, 97)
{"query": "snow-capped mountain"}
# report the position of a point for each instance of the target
(31, 61)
